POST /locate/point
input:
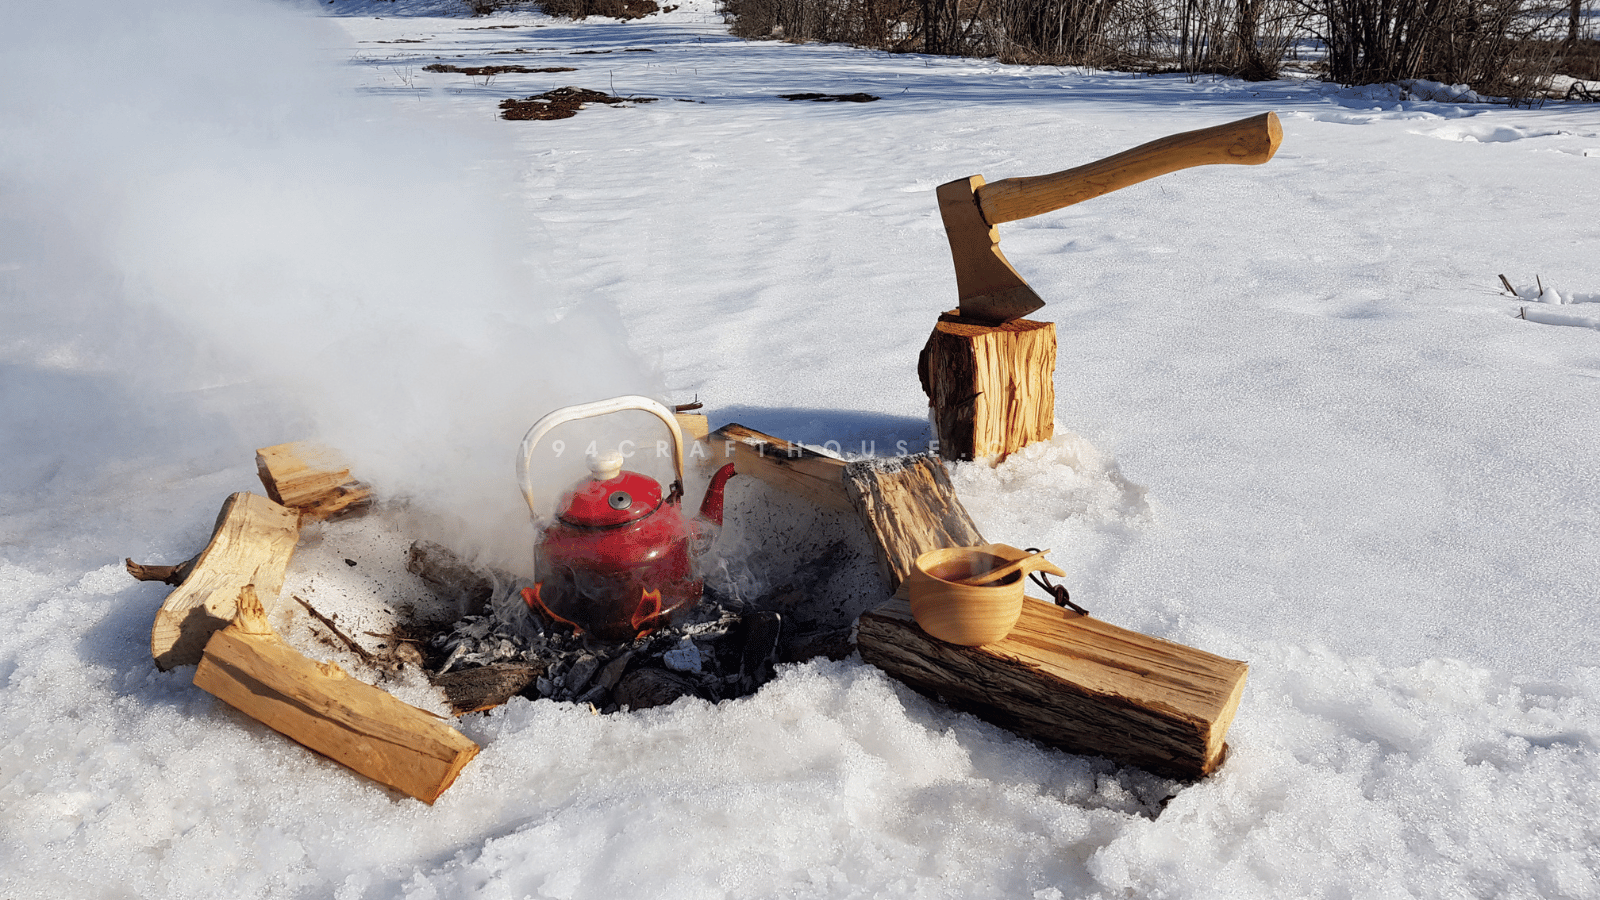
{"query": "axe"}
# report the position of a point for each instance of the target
(991, 291)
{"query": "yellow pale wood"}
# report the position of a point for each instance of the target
(991, 388)
(317, 705)
(1074, 682)
(1248, 142)
(696, 431)
(310, 479)
(252, 544)
(788, 467)
(695, 427)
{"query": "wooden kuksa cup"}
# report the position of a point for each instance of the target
(962, 613)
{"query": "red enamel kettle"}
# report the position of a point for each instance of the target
(616, 560)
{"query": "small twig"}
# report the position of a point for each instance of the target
(173, 575)
(359, 650)
(1540, 284)
(393, 637)
(1508, 286)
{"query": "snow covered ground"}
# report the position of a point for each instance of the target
(1299, 423)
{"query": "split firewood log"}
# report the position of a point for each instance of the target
(1073, 682)
(247, 666)
(310, 479)
(991, 388)
(252, 543)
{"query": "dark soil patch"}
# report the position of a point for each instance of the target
(832, 98)
(480, 71)
(561, 103)
(598, 52)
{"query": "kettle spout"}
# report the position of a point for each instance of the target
(711, 506)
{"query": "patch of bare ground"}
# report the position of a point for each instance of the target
(561, 103)
(832, 98)
(482, 71)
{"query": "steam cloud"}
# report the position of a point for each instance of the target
(200, 210)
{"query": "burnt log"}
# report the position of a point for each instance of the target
(485, 687)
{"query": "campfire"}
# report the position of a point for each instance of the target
(721, 648)
(622, 611)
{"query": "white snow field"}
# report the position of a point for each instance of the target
(1300, 423)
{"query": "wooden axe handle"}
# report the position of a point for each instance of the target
(1248, 142)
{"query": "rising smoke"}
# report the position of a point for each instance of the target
(200, 208)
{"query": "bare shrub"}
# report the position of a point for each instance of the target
(1506, 48)
(1492, 45)
(610, 9)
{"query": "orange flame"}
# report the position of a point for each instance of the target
(536, 603)
(648, 611)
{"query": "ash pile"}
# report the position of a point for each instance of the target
(717, 651)
(722, 648)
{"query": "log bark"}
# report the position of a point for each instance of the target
(485, 687)
(788, 467)
(252, 543)
(311, 480)
(1073, 682)
(317, 705)
(452, 579)
(991, 388)
(909, 508)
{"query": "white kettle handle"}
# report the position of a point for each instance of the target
(588, 411)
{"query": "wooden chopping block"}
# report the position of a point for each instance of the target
(1073, 682)
(991, 388)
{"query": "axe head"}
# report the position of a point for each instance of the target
(991, 291)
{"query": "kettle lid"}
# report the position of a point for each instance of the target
(611, 496)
